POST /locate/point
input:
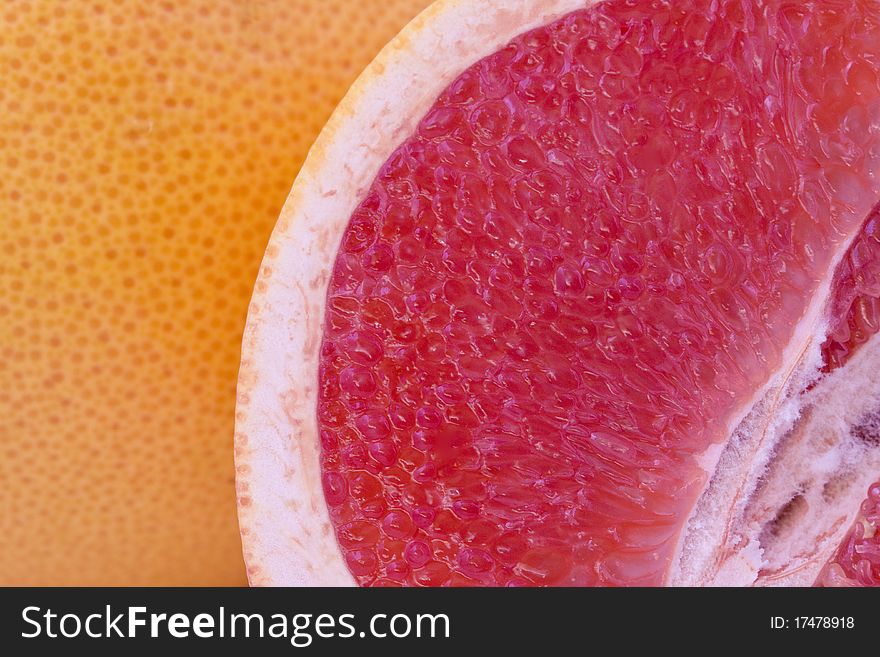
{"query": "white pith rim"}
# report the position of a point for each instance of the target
(286, 531)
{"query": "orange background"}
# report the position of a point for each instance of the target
(146, 148)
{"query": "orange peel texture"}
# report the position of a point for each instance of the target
(146, 149)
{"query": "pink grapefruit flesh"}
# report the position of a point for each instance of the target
(603, 316)
(561, 288)
(857, 560)
(854, 312)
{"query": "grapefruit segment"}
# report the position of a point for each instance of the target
(857, 561)
(562, 321)
(855, 306)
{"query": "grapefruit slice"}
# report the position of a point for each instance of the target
(575, 293)
(145, 151)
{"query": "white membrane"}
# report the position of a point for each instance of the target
(789, 482)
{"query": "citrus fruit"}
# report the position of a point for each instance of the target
(146, 149)
(591, 299)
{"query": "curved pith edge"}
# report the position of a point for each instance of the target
(286, 531)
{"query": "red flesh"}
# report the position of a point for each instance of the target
(857, 560)
(562, 288)
(855, 306)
